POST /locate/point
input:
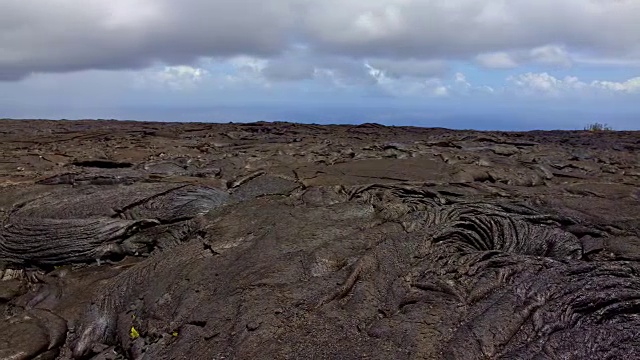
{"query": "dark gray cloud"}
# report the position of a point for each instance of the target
(290, 68)
(69, 35)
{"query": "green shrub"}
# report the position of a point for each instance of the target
(598, 127)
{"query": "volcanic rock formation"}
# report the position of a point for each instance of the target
(283, 241)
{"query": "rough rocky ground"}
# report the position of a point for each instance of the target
(283, 241)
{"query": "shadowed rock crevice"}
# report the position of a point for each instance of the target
(102, 164)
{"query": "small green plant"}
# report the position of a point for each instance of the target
(134, 334)
(598, 127)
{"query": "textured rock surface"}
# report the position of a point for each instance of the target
(282, 241)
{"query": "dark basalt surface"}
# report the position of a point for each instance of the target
(284, 241)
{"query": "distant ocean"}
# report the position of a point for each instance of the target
(454, 116)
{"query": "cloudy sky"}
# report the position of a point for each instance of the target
(492, 64)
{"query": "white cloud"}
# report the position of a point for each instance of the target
(455, 86)
(409, 67)
(407, 86)
(545, 84)
(178, 78)
(551, 55)
(461, 86)
(548, 85)
(629, 86)
(252, 72)
(248, 63)
(461, 81)
(496, 60)
(441, 91)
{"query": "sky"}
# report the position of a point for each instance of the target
(491, 64)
